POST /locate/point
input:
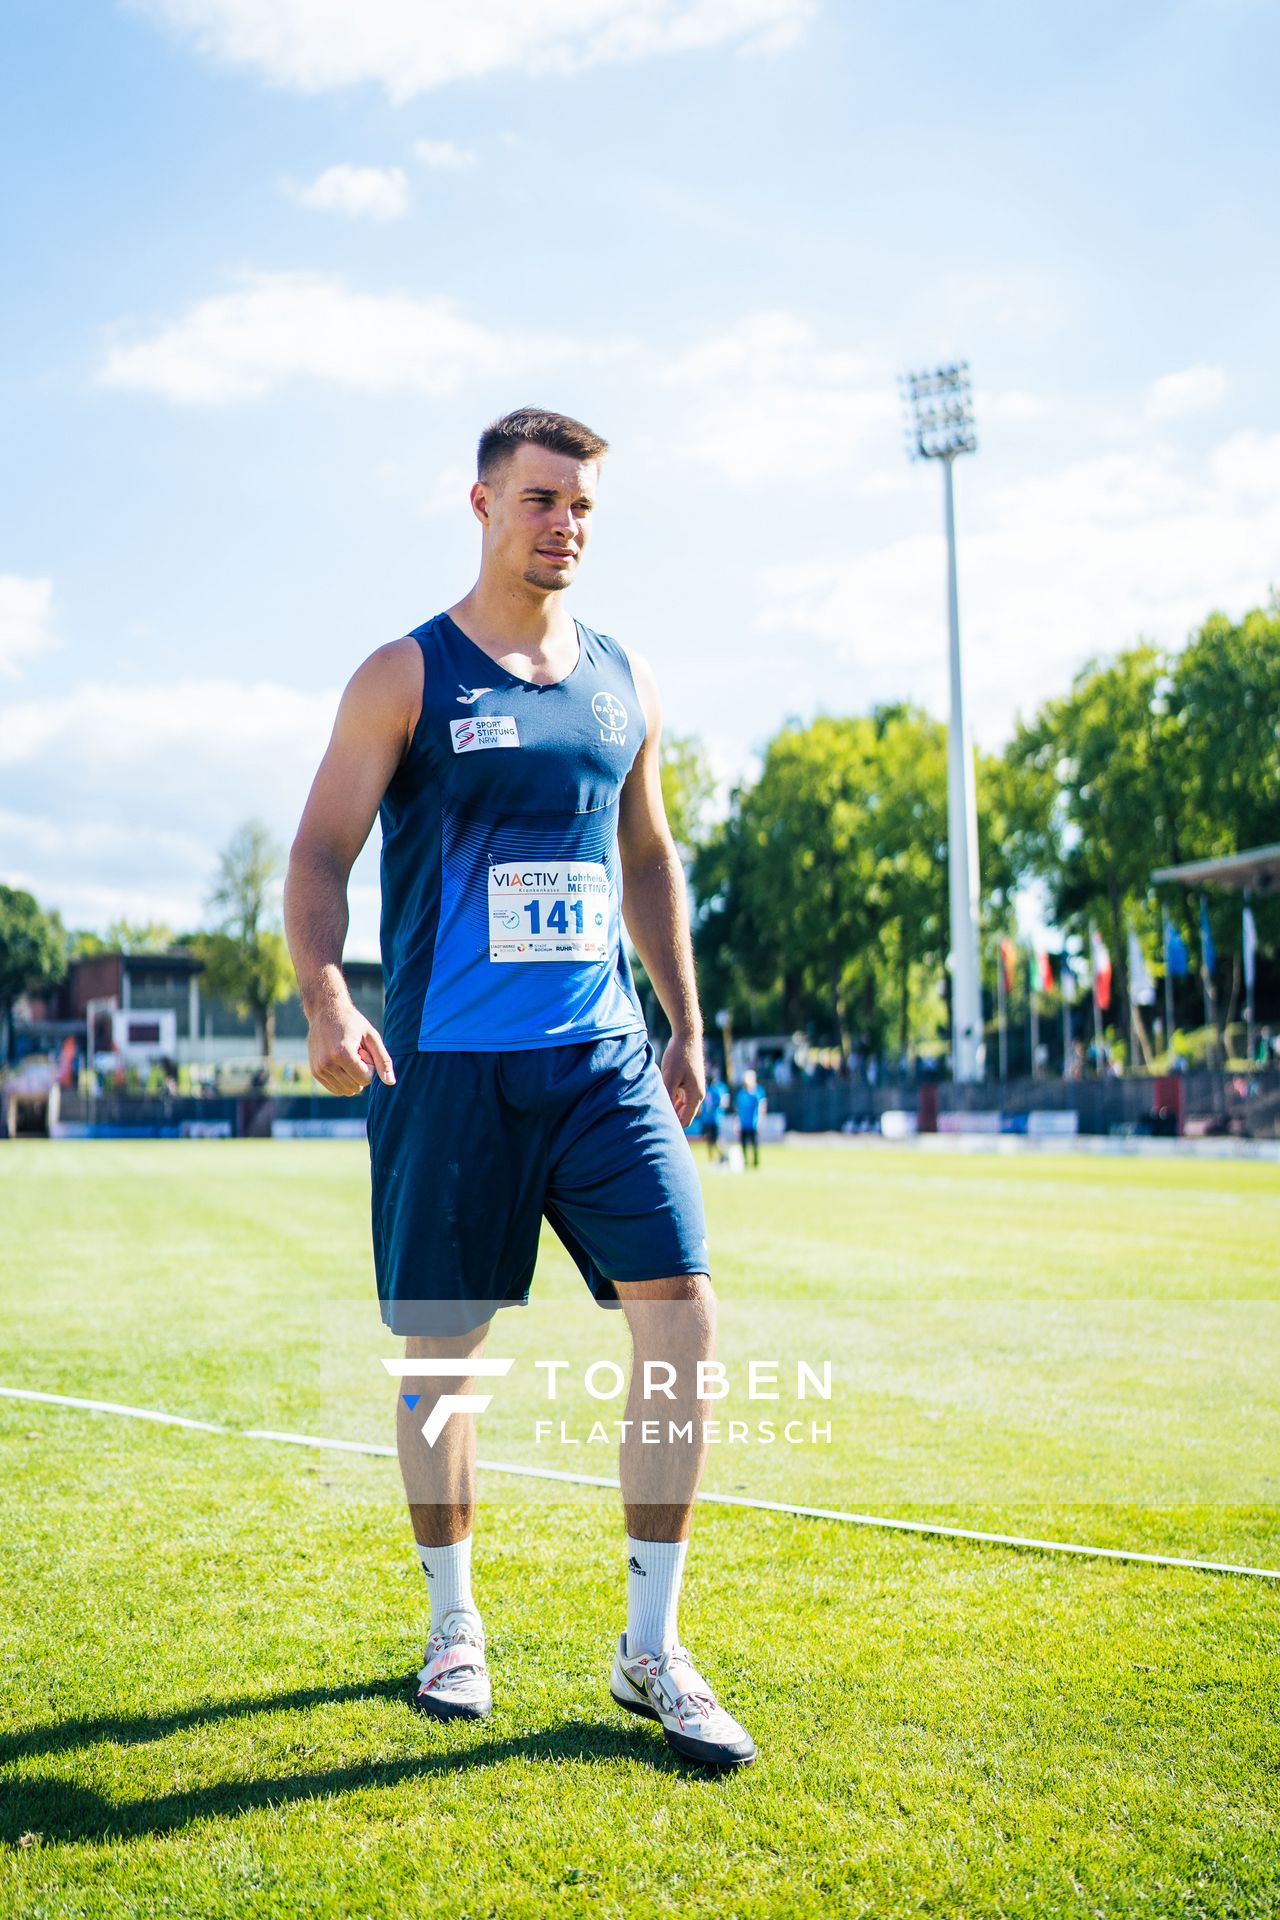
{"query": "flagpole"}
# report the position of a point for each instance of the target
(1093, 990)
(1002, 1016)
(1133, 1030)
(1248, 939)
(1066, 1022)
(1211, 1036)
(1034, 1015)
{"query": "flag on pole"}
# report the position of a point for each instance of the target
(1068, 981)
(1142, 988)
(1208, 952)
(1101, 960)
(1045, 966)
(1176, 958)
(1008, 963)
(1249, 943)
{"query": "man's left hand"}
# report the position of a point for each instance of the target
(684, 1076)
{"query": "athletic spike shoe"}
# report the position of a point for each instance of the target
(668, 1688)
(454, 1683)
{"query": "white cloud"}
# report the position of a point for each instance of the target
(1190, 391)
(765, 347)
(362, 193)
(278, 326)
(760, 400)
(443, 155)
(1248, 465)
(1054, 568)
(82, 770)
(766, 401)
(1014, 405)
(142, 740)
(410, 46)
(449, 493)
(26, 622)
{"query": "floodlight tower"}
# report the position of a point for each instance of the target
(939, 404)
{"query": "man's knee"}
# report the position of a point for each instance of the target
(675, 1316)
(445, 1346)
(678, 1287)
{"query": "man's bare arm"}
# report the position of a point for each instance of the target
(375, 722)
(655, 905)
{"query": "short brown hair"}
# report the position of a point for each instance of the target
(555, 431)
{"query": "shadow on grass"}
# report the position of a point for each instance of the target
(134, 1729)
(57, 1810)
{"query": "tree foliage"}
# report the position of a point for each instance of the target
(1152, 759)
(245, 958)
(823, 896)
(33, 951)
(140, 936)
(688, 788)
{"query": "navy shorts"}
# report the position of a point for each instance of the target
(469, 1153)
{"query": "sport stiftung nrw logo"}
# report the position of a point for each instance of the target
(433, 1426)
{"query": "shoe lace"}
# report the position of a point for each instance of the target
(463, 1635)
(697, 1698)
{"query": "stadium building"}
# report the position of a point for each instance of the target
(148, 1007)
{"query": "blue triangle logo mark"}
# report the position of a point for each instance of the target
(411, 1400)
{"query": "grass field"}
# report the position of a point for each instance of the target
(206, 1637)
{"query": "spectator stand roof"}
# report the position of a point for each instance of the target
(1255, 871)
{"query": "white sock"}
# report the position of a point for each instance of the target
(448, 1571)
(655, 1569)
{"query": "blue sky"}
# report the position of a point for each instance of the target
(272, 265)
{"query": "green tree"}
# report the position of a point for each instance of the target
(688, 787)
(1151, 760)
(33, 952)
(782, 906)
(245, 959)
(139, 936)
(824, 893)
(823, 898)
(1224, 705)
(83, 944)
(1102, 800)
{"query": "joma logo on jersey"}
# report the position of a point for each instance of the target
(613, 717)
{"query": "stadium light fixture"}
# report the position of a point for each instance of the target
(940, 426)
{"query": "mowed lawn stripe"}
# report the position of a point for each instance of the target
(201, 1688)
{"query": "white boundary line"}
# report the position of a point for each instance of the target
(1123, 1146)
(112, 1406)
(933, 1527)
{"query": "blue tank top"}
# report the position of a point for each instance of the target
(501, 878)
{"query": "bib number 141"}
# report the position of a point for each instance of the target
(558, 916)
(554, 912)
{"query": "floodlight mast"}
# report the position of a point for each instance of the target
(940, 426)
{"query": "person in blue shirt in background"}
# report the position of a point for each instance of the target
(714, 1108)
(751, 1104)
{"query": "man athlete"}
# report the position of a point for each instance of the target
(513, 755)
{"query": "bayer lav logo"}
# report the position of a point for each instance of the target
(612, 716)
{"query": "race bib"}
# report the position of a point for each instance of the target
(559, 911)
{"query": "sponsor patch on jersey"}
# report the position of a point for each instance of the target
(613, 718)
(482, 730)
